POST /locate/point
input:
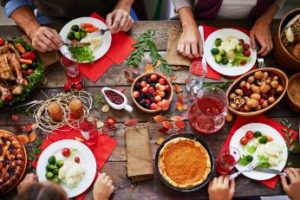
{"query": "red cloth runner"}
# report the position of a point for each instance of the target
(240, 121)
(211, 73)
(120, 49)
(102, 150)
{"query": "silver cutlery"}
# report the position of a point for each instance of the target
(270, 171)
(261, 63)
(77, 44)
(249, 168)
(103, 31)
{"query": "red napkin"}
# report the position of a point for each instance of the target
(211, 73)
(119, 50)
(102, 150)
(240, 121)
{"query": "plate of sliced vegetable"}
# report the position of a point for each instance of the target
(85, 30)
(68, 163)
(262, 146)
(228, 52)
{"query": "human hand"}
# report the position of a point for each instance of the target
(103, 187)
(292, 189)
(27, 181)
(45, 39)
(261, 32)
(221, 188)
(119, 20)
(190, 42)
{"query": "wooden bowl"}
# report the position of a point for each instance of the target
(284, 58)
(140, 77)
(291, 91)
(282, 77)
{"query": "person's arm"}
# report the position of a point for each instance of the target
(119, 19)
(43, 38)
(221, 188)
(261, 29)
(291, 188)
(190, 42)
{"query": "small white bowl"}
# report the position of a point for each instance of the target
(124, 105)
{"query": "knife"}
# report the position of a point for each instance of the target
(270, 171)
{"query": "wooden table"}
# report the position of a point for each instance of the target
(116, 165)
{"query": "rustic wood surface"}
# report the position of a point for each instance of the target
(116, 166)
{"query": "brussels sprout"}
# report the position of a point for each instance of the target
(218, 42)
(75, 28)
(77, 36)
(257, 134)
(59, 163)
(50, 167)
(71, 35)
(56, 180)
(52, 160)
(83, 33)
(225, 61)
(214, 51)
(218, 58)
(223, 53)
(49, 175)
(55, 171)
(263, 139)
(249, 158)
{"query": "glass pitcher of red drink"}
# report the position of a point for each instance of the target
(207, 112)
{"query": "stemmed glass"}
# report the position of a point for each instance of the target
(227, 159)
(88, 129)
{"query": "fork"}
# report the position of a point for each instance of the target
(249, 168)
(261, 63)
(103, 31)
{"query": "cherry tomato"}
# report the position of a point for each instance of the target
(1, 41)
(77, 159)
(246, 46)
(270, 139)
(247, 53)
(66, 152)
(249, 135)
(8, 98)
(243, 62)
(110, 121)
(29, 55)
(243, 141)
(78, 86)
(67, 86)
(29, 71)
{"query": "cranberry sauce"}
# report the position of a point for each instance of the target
(114, 97)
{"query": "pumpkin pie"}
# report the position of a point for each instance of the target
(184, 163)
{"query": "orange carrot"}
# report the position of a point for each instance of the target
(25, 61)
(20, 48)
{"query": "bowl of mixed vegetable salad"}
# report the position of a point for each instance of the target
(85, 30)
(228, 52)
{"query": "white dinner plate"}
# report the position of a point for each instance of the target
(87, 160)
(97, 23)
(267, 131)
(228, 70)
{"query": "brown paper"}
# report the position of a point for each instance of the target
(47, 58)
(173, 57)
(139, 156)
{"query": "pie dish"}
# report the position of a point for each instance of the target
(184, 162)
(13, 161)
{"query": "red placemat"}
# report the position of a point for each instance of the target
(102, 150)
(240, 121)
(120, 49)
(207, 30)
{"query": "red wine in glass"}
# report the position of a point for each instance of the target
(227, 159)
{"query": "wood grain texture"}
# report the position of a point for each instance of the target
(116, 166)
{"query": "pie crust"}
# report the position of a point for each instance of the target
(12, 161)
(184, 163)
